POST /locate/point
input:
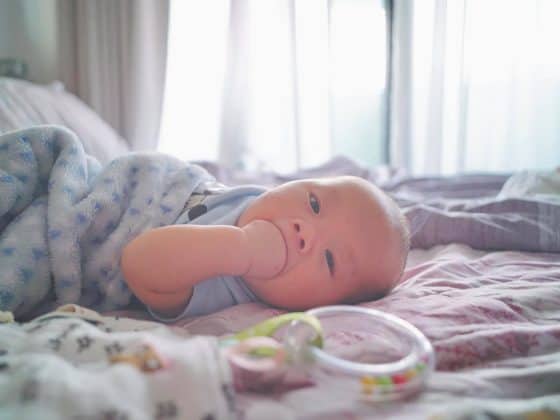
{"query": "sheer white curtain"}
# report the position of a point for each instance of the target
(476, 85)
(112, 54)
(277, 84)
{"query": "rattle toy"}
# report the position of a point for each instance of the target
(260, 361)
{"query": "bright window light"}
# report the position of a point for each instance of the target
(314, 81)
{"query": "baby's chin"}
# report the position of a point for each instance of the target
(279, 298)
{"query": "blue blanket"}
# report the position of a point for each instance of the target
(64, 219)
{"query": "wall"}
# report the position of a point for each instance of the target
(28, 31)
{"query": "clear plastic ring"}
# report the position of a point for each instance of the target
(373, 380)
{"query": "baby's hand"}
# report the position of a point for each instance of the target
(266, 249)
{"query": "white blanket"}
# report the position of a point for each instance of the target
(84, 366)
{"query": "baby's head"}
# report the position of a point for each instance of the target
(346, 240)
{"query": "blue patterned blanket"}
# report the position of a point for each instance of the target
(64, 219)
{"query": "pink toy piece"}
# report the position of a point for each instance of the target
(253, 369)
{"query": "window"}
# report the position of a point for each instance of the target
(278, 84)
(481, 86)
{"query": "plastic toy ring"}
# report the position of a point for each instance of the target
(261, 360)
(384, 380)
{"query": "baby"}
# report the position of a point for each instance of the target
(150, 225)
(303, 244)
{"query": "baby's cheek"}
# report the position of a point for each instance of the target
(295, 291)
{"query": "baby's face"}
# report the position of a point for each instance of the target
(340, 239)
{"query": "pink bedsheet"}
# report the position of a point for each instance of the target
(494, 321)
(493, 318)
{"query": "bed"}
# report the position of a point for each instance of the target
(493, 315)
(482, 282)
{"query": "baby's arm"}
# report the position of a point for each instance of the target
(162, 265)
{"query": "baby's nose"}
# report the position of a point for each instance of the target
(305, 234)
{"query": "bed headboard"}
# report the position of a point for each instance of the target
(12, 67)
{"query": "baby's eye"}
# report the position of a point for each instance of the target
(314, 203)
(330, 261)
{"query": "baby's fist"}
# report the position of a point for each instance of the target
(266, 249)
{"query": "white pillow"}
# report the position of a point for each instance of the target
(24, 104)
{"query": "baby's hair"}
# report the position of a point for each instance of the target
(402, 227)
(404, 232)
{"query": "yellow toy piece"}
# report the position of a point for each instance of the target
(146, 360)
